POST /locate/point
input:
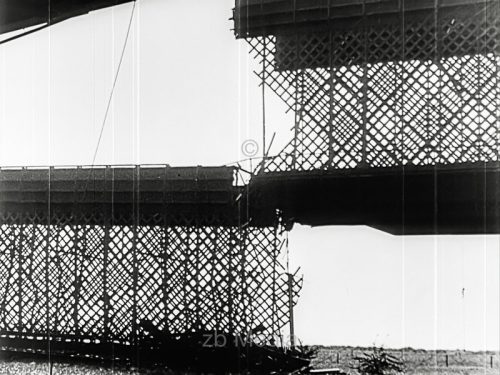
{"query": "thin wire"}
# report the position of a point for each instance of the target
(114, 84)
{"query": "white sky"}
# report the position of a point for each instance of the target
(186, 95)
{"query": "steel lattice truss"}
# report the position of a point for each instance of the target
(420, 91)
(102, 281)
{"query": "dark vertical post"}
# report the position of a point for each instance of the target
(38, 287)
(298, 94)
(76, 256)
(447, 363)
(135, 274)
(230, 280)
(215, 296)
(108, 219)
(435, 59)
(365, 90)
(58, 290)
(242, 251)
(440, 34)
(263, 83)
(109, 186)
(185, 281)
(264, 100)
(497, 71)
(134, 282)
(403, 110)
(12, 255)
(274, 256)
(76, 276)
(197, 278)
(164, 278)
(105, 297)
(20, 263)
(338, 358)
(331, 91)
(47, 272)
(165, 245)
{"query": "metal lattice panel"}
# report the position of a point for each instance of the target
(101, 282)
(421, 91)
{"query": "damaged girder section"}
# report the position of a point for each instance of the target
(402, 201)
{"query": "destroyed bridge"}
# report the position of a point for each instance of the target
(396, 127)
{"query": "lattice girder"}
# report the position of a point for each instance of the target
(103, 282)
(419, 91)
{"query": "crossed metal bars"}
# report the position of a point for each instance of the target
(103, 282)
(421, 90)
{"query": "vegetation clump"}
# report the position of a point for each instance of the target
(378, 362)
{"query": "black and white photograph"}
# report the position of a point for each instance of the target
(250, 187)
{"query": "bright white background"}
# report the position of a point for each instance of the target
(186, 95)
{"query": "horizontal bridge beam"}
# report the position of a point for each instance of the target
(123, 196)
(460, 199)
(253, 18)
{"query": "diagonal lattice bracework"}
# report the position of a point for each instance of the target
(418, 88)
(104, 281)
(110, 255)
